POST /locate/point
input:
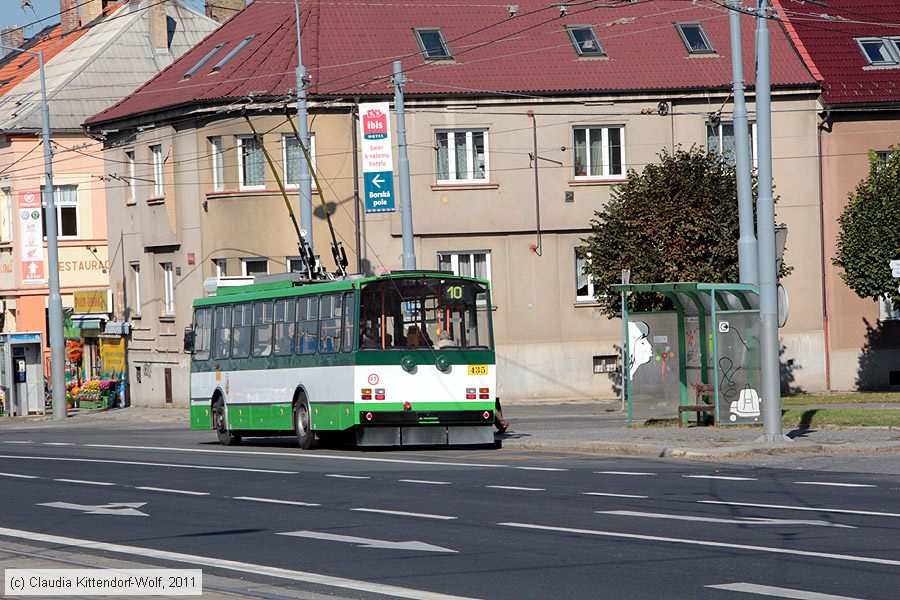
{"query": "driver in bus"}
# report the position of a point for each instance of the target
(368, 341)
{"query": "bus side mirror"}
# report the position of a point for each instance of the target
(189, 340)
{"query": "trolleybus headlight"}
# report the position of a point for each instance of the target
(443, 364)
(408, 363)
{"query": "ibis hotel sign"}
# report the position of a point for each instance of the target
(377, 157)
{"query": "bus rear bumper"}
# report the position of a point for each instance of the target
(427, 435)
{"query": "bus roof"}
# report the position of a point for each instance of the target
(285, 287)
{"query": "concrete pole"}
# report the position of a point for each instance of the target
(409, 252)
(54, 303)
(765, 217)
(747, 247)
(306, 214)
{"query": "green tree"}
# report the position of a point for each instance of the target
(869, 235)
(675, 221)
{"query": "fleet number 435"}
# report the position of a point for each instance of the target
(478, 370)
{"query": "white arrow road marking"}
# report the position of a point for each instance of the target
(367, 543)
(737, 520)
(117, 508)
(377, 180)
(846, 511)
(232, 565)
(657, 538)
(767, 590)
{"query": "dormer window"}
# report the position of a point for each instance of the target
(881, 52)
(432, 44)
(695, 38)
(585, 40)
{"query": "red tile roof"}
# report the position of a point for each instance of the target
(17, 66)
(826, 37)
(348, 48)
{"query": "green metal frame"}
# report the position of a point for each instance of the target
(688, 299)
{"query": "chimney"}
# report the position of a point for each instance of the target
(68, 15)
(13, 37)
(90, 10)
(159, 31)
(222, 10)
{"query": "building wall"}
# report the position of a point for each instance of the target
(194, 224)
(546, 340)
(863, 349)
(83, 261)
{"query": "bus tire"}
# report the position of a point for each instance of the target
(220, 424)
(306, 439)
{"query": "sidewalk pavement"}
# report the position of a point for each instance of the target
(584, 426)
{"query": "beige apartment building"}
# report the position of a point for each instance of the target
(204, 204)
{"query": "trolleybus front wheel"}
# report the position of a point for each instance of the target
(220, 424)
(305, 436)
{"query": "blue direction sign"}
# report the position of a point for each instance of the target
(378, 189)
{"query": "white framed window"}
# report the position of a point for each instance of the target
(291, 155)
(881, 51)
(168, 281)
(251, 163)
(131, 192)
(584, 286)
(599, 152)
(135, 289)
(886, 310)
(215, 156)
(221, 266)
(65, 197)
(462, 155)
(254, 266)
(295, 265)
(720, 139)
(159, 183)
(466, 263)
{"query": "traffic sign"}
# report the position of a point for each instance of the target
(895, 271)
(378, 190)
(895, 264)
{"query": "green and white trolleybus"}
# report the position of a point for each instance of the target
(404, 358)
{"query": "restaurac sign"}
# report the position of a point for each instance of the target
(377, 157)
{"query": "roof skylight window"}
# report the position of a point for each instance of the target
(695, 38)
(231, 54)
(432, 44)
(203, 61)
(881, 52)
(585, 40)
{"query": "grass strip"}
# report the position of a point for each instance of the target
(848, 398)
(845, 417)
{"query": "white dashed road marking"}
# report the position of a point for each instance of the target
(84, 482)
(613, 495)
(847, 511)
(722, 477)
(512, 487)
(638, 473)
(274, 501)
(338, 476)
(836, 484)
(425, 481)
(404, 513)
(186, 492)
(778, 592)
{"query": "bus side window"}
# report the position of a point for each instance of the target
(284, 326)
(262, 328)
(222, 348)
(330, 323)
(241, 329)
(349, 322)
(202, 333)
(307, 325)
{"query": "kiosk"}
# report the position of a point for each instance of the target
(22, 374)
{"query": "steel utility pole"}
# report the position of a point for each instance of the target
(409, 251)
(747, 247)
(54, 302)
(305, 183)
(765, 223)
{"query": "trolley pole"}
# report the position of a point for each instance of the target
(765, 213)
(409, 251)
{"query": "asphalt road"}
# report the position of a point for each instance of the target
(452, 523)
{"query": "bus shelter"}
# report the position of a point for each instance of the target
(704, 350)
